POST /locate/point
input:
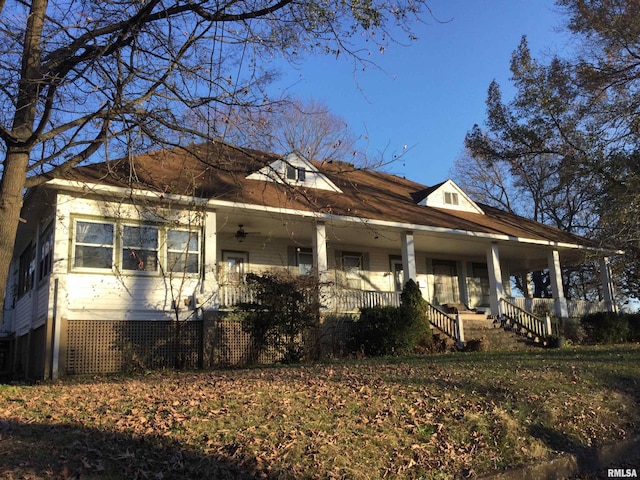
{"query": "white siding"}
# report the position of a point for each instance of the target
(23, 313)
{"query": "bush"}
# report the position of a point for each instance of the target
(386, 330)
(284, 307)
(634, 327)
(378, 331)
(605, 327)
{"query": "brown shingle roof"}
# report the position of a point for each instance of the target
(218, 171)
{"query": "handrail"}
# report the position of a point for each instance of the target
(526, 320)
(450, 325)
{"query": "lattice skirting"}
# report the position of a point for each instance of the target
(105, 346)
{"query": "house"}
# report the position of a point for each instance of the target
(129, 247)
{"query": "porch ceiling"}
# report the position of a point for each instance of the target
(341, 234)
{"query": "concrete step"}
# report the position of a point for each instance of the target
(493, 338)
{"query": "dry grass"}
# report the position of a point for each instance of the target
(426, 417)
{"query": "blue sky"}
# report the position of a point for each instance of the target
(429, 94)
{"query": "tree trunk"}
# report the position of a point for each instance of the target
(19, 146)
(11, 186)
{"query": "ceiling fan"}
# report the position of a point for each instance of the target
(241, 233)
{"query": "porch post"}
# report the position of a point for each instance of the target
(528, 292)
(557, 290)
(495, 278)
(320, 251)
(608, 287)
(209, 286)
(408, 257)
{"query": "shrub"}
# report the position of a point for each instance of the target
(284, 307)
(605, 327)
(377, 331)
(634, 327)
(414, 310)
(387, 330)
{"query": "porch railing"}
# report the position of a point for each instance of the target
(450, 325)
(231, 295)
(576, 308)
(333, 299)
(342, 300)
(537, 326)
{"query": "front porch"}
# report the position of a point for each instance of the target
(345, 301)
(528, 316)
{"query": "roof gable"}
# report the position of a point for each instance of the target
(293, 169)
(450, 196)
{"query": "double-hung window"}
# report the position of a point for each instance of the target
(183, 251)
(94, 243)
(46, 253)
(26, 270)
(352, 266)
(140, 248)
(143, 248)
(305, 261)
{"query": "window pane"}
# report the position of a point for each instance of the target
(140, 248)
(305, 263)
(182, 240)
(92, 257)
(96, 233)
(176, 262)
(141, 237)
(352, 265)
(146, 260)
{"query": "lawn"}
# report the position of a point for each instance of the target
(442, 416)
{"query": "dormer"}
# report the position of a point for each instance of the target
(293, 169)
(449, 195)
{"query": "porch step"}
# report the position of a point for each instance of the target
(493, 337)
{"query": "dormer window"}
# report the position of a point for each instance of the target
(451, 198)
(446, 195)
(294, 173)
(295, 170)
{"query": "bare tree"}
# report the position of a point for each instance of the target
(78, 77)
(305, 127)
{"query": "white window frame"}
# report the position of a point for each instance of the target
(118, 246)
(127, 249)
(75, 243)
(187, 251)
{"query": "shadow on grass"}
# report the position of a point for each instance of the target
(65, 451)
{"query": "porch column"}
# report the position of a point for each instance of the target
(209, 286)
(527, 291)
(557, 290)
(608, 287)
(463, 283)
(408, 257)
(495, 278)
(320, 251)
